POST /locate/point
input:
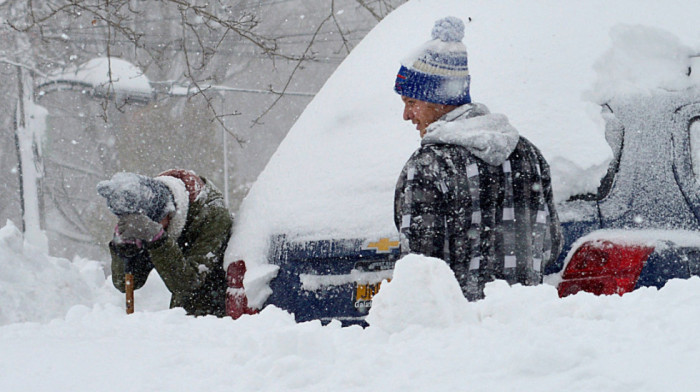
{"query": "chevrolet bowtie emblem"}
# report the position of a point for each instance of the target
(384, 245)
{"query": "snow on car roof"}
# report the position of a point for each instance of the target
(547, 65)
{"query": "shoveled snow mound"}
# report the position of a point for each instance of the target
(37, 287)
(414, 296)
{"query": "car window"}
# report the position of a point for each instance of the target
(614, 135)
(694, 130)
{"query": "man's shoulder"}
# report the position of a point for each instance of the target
(440, 150)
(526, 147)
(439, 158)
(525, 142)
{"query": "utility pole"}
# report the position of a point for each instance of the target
(29, 126)
(223, 137)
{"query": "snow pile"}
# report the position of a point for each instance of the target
(642, 60)
(37, 287)
(424, 292)
(518, 338)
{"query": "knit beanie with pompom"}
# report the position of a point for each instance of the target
(131, 193)
(438, 71)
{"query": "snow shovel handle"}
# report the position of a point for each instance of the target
(129, 285)
(129, 289)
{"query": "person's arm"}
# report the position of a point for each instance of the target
(556, 236)
(185, 271)
(421, 204)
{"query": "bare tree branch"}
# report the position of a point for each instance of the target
(296, 68)
(369, 9)
(30, 68)
(203, 91)
(340, 30)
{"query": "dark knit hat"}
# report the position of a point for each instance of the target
(130, 193)
(438, 72)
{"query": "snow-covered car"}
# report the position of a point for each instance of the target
(316, 236)
(642, 227)
(331, 279)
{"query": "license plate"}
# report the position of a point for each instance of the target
(365, 291)
(364, 294)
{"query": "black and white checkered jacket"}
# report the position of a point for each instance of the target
(478, 196)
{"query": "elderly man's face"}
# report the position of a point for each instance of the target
(423, 113)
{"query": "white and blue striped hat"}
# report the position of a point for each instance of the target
(438, 71)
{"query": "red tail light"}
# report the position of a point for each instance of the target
(236, 300)
(604, 267)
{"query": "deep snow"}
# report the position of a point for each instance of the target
(546, 65)
(518, 338)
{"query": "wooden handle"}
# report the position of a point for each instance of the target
(129, 286)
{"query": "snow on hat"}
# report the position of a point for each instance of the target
(438, 71)
(130, 193)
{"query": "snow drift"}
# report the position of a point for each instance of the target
(517, 338)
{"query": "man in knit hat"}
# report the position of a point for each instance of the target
(176, 223)
(475, 194)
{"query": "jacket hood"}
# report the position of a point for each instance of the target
(488, 136)
(182, 205)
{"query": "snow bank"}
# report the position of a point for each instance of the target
(423, 335)
(518, 338)
(37, 287)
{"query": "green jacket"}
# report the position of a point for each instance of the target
(190, 265)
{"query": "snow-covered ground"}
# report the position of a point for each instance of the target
(432, 339)
(547, 65)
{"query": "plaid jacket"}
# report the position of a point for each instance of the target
(489, 221)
